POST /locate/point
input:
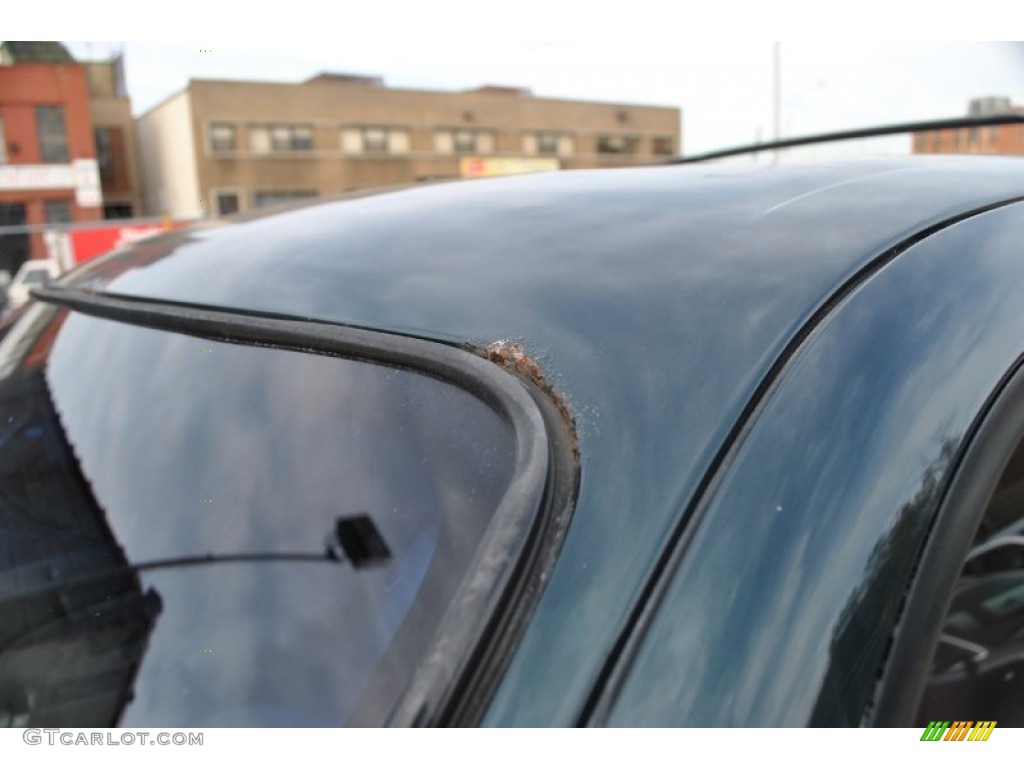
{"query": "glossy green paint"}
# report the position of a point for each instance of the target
(782, 606)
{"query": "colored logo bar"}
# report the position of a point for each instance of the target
(958, 730)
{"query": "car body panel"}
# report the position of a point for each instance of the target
(657, 300)
(818, 508)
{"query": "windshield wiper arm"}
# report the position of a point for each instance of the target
(355, 539)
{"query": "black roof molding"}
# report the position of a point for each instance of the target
(858, 133)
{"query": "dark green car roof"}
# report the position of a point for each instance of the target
(655, 299)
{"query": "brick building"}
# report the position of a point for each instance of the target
(220, 146)
(114, 133)
(985, 140)
(48, 169)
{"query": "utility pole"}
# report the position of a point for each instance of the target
(777, 92)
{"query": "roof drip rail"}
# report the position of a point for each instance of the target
(859, 133)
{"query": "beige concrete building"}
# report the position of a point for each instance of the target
(114, 131)
(218, 146)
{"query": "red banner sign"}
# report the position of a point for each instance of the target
(89, 243)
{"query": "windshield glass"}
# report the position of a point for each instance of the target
(124, 445)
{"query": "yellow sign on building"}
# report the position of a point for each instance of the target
(477, 167)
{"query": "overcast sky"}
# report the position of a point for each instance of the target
(723, 89)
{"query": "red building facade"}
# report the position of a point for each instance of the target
(48, 166)
(984, 140)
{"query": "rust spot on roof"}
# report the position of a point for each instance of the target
(512, 356)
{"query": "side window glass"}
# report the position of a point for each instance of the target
(977, 672)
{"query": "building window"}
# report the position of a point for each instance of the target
(104, 158)
(280, 138)
(288, 138)
(53, 137)
(117, 210)
(617, 145)
(265, 197)
(227, 203)
(936, 142)
(14, 248)
(110, 157)
(663, 145)
(463, 141)
(375, 140)
(57, 211)
(222, 137)
(547, 143)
